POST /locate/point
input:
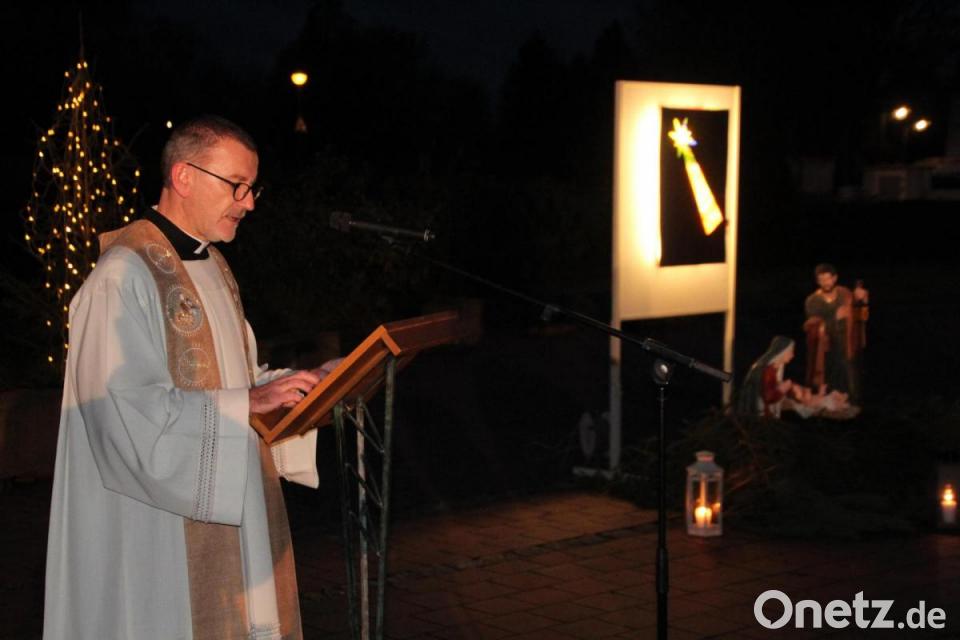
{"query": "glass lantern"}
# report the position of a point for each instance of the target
(948, 488)
(704, 501)
(948, 506)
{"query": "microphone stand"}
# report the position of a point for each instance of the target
(666, 360)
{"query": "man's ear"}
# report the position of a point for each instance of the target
(181, 179)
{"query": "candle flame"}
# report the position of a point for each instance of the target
(703, 516)
(949, 497)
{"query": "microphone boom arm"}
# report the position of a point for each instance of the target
(343, 221)
(549, 310)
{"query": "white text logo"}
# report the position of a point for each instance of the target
(865, 614)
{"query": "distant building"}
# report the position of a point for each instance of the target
(928, 179)
(934, 178)
(894, 162)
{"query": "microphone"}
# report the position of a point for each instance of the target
(343, 221)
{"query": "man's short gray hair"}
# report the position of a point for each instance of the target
(191, 138)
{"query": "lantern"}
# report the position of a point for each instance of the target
(948, 505)
(704, 499)
(948, 483)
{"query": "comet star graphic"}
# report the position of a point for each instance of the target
(710, 214)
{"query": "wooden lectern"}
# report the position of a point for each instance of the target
(342, 398)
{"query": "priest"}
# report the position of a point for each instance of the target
(167, 518)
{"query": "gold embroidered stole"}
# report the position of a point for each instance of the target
(214, 559)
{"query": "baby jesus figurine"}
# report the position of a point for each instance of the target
(806, 403)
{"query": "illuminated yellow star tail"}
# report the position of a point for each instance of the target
(710, 214)
(683, 141)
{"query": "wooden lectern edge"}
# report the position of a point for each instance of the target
(257, 421)
(390, 342)
(381, 333)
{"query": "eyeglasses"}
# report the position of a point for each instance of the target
(240, 189)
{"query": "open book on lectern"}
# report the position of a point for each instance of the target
(360, 374)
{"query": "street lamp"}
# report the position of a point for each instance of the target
(907, 124)
(901, 112)
(299, 79)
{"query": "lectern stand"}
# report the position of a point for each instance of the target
(342, 398)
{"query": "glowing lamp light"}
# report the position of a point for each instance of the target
(901, 112)
(298, 78)
(683, 141)
(948, 505)
(921, 125)
(704, 497)
(702, 516)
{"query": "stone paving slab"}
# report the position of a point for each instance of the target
(590, 574)
(568, 565)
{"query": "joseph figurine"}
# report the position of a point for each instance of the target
(833, 341)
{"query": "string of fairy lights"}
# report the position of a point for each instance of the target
(85, 182)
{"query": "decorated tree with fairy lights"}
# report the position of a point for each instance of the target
(84, 183)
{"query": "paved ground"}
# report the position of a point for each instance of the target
(563, 565)
(580, 565)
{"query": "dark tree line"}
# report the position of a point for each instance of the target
(516, 179)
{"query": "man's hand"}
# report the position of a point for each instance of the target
(282, 392)
(326, 368)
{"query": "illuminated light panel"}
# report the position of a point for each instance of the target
(642, 288)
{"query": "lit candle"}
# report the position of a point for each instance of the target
(702, 515)
(948, 505)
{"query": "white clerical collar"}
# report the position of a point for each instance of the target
(187, 246)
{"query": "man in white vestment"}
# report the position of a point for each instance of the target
(167, 520)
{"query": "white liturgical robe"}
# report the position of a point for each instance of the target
(134, 460)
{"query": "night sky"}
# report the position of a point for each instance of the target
(821, 69)
(477, 39)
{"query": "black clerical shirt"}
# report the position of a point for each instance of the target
(186, 246)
